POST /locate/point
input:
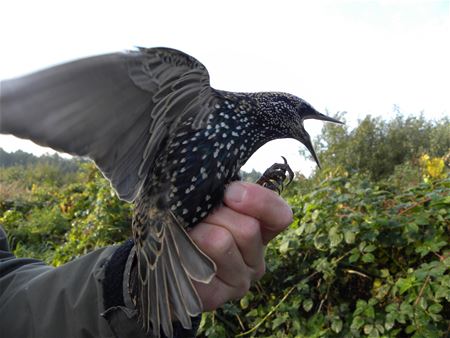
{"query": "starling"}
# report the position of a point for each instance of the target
(166, 140)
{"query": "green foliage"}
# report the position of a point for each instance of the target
(375, 147)
(368, 253)
(21, 158)
(361, 259)
(61, 215)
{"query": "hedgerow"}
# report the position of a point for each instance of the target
(361, 258)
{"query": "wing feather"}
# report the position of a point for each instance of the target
(166, 289)
(119, 110)
(116, 109)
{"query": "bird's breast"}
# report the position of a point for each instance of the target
(201, 162)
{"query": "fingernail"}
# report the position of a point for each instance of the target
(236, 192)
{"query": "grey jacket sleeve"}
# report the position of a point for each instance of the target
(87, 297)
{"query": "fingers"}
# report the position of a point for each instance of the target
(233, 276)
(218, 243)
(246, 233)
(234, 237)
(216, 293)
(263, 204)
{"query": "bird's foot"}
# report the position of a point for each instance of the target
(274, 177)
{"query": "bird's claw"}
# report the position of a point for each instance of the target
(274, 177)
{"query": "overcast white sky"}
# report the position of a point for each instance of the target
(362, 57)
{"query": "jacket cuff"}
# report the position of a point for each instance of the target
(120, 310)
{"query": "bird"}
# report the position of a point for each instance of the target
(166, 140)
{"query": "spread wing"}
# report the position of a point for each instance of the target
(116, 108)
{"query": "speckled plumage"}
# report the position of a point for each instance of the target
(198, 163)
(166, 140)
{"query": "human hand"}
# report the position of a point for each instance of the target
(234, 237)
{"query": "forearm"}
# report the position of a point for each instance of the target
(41, 301)
(84, 298)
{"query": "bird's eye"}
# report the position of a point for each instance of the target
(303, 106)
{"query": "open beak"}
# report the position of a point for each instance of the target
(320, 116)
(311, 113)
(308, 144)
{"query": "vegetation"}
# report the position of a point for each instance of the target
(376, 147)
(22, 158)
(367, 255)
(360, 259)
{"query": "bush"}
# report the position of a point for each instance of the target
(375, 147)
(361, 259)
(57, 223)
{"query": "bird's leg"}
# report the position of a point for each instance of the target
(275, 176)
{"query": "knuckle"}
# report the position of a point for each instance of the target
(222, 240)
(242, 288)
(204, 242)
(216, 300)
(260, 271)
(213, 239)
(250, 229)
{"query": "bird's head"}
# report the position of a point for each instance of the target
(287, 114)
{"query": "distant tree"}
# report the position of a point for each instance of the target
(252, 176)
(376, 147)
(19, 170)
(19, 157)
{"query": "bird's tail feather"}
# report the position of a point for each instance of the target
(168, 261)
(195, 262)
